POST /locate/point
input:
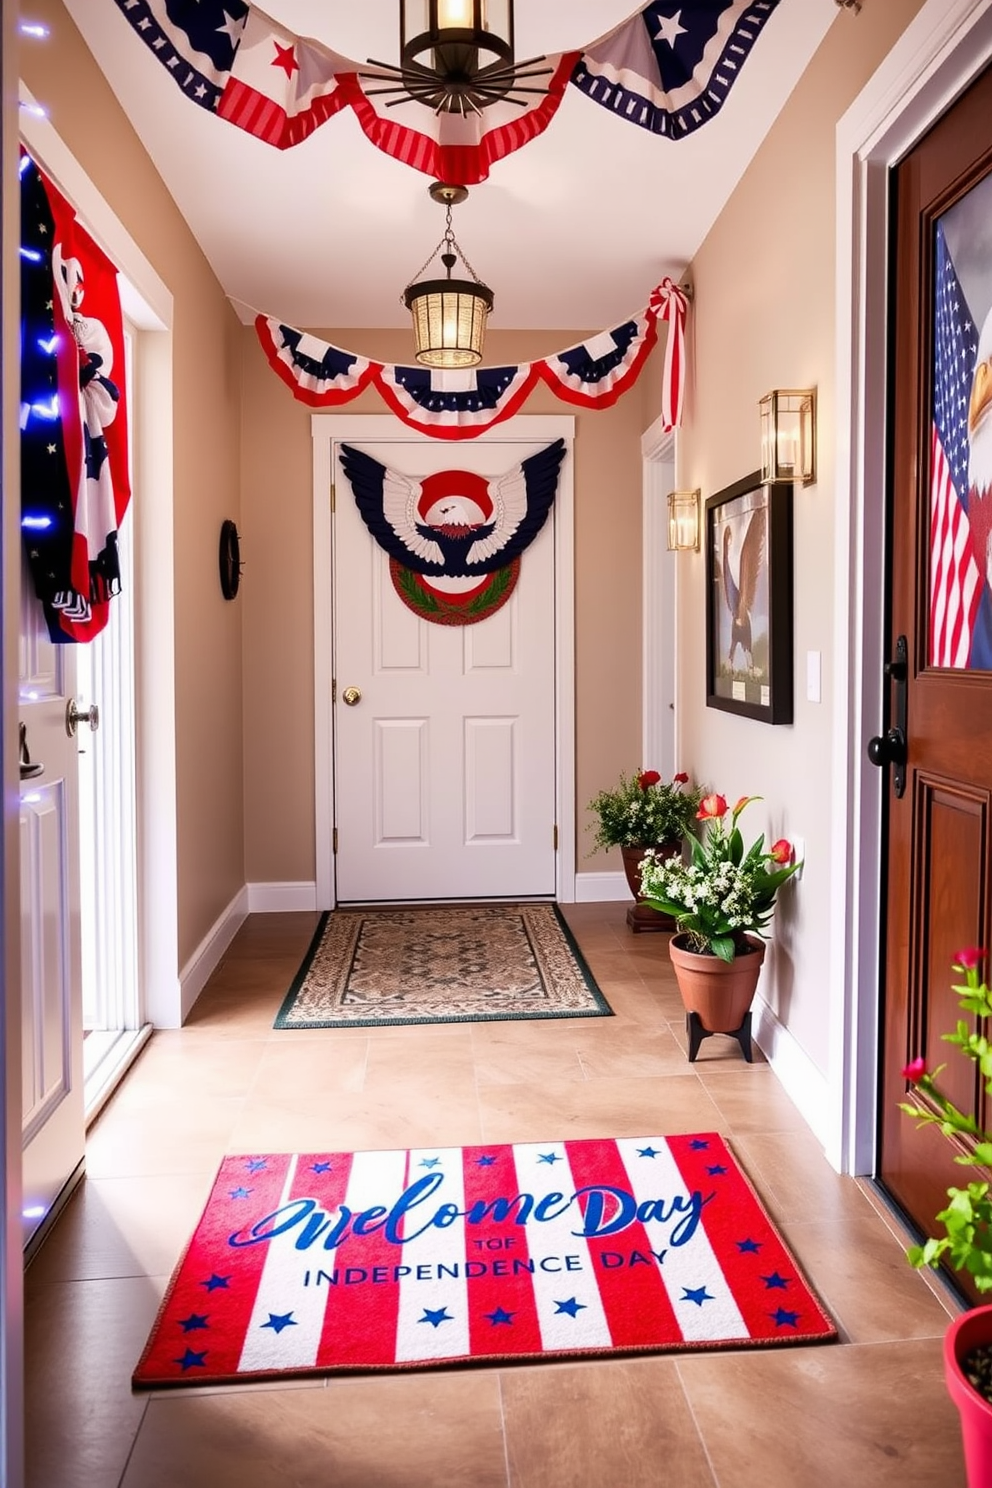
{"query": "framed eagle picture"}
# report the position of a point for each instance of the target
(748, 539)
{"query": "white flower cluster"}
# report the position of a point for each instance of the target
(725, 887)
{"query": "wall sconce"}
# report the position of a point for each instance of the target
(683, 521)
(788, 435)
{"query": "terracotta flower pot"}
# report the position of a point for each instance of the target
(720, 992)
(641, 916)
(969, 1331)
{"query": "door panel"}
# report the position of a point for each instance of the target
(939, 832)
(51, 1032)
(445, 767)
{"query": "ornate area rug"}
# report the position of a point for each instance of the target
(450, 964)
(320, 1262)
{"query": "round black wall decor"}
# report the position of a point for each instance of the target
(230, 559)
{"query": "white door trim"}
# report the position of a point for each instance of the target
(325, 429)
(658, 694)
(944, 48)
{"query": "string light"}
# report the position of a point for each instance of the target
(35, 29)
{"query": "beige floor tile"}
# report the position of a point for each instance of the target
(311, 1068)
(118, 1227)
(82, 1340)
(864, 1279)
(868, 1415)
(171, 1059)
(187, 1135)
(517, 1053)
(619, 1050)
(794, 1178)
(413, 1431)
(624, 1422)
(596, 1108)
(343, 1121)
(751, 1100)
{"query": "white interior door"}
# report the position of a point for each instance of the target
(445, 783)
(51, 1014)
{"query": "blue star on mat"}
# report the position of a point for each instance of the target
(279, 1320)
(484, 1162)
(436, 1316)
(572, 1306)
(215, 1283)
(699, 1295)
(499, 1316)
(784, 1319)
(191, 1360)
(775, 1281)
(749, 1247)
(716, 1170)
(430, 1162)
(256, 1165)
(647, 1152)
(698, 1145)
(321, 1167)
(194, 1322)
(239, 1193)
(550, 1158)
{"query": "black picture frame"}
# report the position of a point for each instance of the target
(748, 535)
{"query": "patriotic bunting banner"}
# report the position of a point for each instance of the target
(462, 404)
(668, 69)
(317, 1262)
(454, 538)
(73, 421)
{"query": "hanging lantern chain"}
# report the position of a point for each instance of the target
(452, 248)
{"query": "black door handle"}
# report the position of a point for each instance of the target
(892, 747)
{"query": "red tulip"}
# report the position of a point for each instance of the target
(711, 806)
(650, 777)
(680, 779)
(781, 851)
(969, 957)
(915, 1070)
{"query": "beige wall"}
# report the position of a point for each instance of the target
(207, 398)
(764, 317)
(278, 595)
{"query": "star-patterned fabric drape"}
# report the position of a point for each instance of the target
(667, 69)
(73, 420)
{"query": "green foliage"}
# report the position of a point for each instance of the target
(639, 815)
(966, 1243)
(725, 890)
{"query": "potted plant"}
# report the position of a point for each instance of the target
(967, 1221)
(721, 900)
(644, 812)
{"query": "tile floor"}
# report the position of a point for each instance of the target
(869, 1411)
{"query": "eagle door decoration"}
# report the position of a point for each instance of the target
(454, 538)
(960, 632)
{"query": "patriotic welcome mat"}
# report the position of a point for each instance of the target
(316, 1262)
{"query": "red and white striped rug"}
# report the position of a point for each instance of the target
(316, 1262)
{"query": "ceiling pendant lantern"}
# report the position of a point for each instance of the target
(456, 57)
(449, 315)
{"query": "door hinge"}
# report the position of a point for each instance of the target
(334, 689)
(334, 841)
(555, 832)
(334, 497)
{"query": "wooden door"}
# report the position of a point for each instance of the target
(51, 995)
(445, 763)
(939, 833)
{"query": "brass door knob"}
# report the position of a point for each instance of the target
(75, 716)
(352, 695)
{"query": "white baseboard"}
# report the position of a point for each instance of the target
(281, 898)
(805, 1085)
(597, 888)
(205, 959)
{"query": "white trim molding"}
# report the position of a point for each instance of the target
(281, 898)
(943, 49)
(659, 576)
(806, 1086)
(600, 888)
(207, 957)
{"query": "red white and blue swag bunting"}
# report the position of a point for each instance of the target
(454, 538)
(462, 404)
(668, 69)
(317, 1262)
(73, 420)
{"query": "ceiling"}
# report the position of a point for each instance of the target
(573, 230)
